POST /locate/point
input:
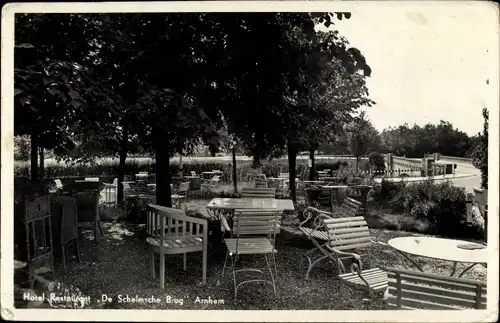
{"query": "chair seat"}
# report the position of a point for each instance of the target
(250, 246)
(376, 278)
(178, 242)
(320, 235)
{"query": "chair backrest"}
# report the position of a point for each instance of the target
(38, 232)
(258, 192)
(419, 290)
(348, 233)
(115, 181)
(351, 207)
(284, 175)
(216, 171)
(66, 208)
(256, 222)
(168, 223)
(193, 173)
(58, 183)
(184, 187)
(260, 183)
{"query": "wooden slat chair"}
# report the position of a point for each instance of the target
(65, 210)
(359, 286)
(180, 195)
(330, 232)
(258, 192)
(260, 183)
(253, 233)
(350, 207)
(179, 233)
(410, 290)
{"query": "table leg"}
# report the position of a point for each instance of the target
(410, 260)
(331, 200)
(454, 269)
(469, 268)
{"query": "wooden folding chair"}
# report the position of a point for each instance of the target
(330, 232)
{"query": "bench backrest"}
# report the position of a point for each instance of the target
(256, 222)
(351, 207)
(418, 290)
(348, 233)
(260, 183)
(258, 192)
(163, 222)
(284, 175)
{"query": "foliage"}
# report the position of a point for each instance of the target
(480, 153)
(441, 204)
(110, 169)
(22, 148)
(362, 137)
(416, 141)
(377, 160)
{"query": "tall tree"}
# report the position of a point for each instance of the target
(362, 137)
(480, 154)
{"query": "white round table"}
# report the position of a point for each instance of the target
(444, 249)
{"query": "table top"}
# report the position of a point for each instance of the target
(249, 203)
(439, 248)
(326, 187)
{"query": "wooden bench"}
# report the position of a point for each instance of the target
(259, 192)
(410, 290)
(261, 183)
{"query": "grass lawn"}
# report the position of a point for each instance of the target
(119, 266)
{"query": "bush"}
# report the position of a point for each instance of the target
(429, 207)
(377, 161)
(442, 204)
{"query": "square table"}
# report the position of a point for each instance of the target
(226, 205)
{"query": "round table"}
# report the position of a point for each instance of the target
(444, 249)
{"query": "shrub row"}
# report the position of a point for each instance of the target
(441, 205)
(109, 169)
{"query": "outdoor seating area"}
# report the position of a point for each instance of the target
(184, 160)
(255, 242)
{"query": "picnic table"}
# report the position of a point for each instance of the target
(226, 206)
(456, 251)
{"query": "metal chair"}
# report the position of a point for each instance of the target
(253, 233)
(180, 195)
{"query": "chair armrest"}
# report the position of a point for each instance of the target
(374, 241)
(349, 254)
(224, 224)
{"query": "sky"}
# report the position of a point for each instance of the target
(429, 61)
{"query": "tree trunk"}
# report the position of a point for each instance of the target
(235, 183)
(42, 163)
(311, 169)
(34, 158)
(121, 167)
(292, 163)
(163, 175)
(357, 163)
